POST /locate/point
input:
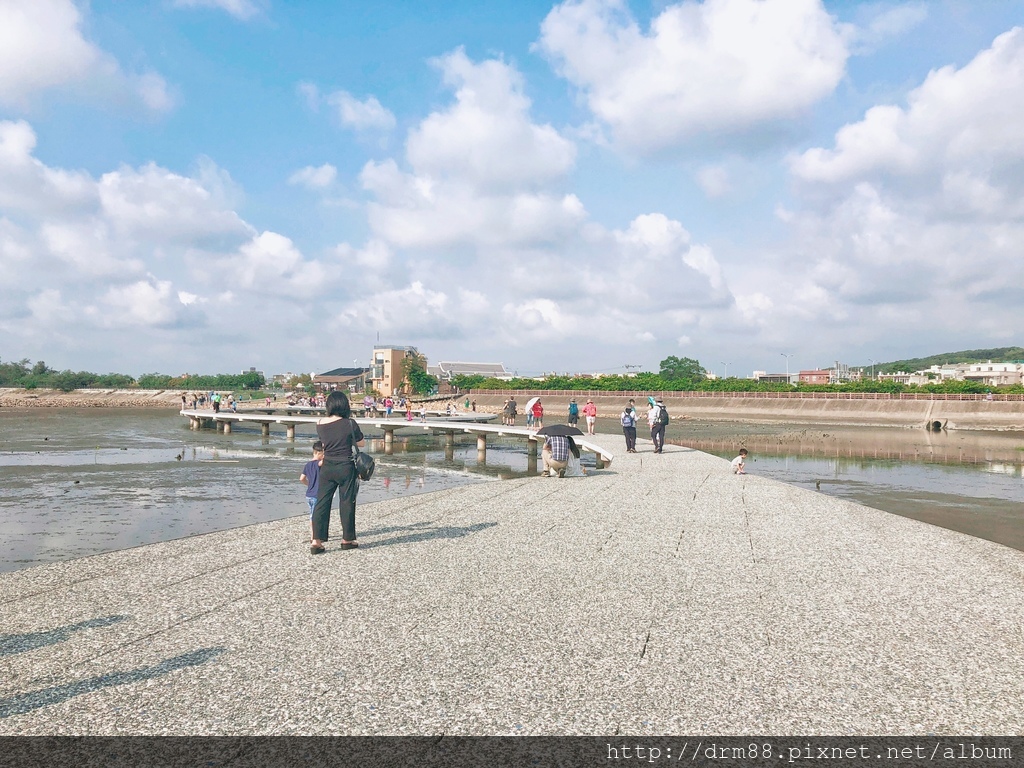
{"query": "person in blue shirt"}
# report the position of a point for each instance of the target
(311, 477)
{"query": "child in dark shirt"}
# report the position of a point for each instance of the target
(311, 477)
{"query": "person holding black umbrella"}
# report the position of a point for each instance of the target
(558, 444)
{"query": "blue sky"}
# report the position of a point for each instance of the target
(208, 185)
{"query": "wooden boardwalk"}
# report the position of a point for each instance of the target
(448, 426)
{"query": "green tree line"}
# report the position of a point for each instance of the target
(25, 374)
(687, 375)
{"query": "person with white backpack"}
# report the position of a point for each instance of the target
(628, 419)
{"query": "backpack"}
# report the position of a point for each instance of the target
(574, 410)
(627, 419)
(663, 415)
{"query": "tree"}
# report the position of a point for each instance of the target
(682, 369)
(254, 380)
(414, 371)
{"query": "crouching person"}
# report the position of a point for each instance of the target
(556, 455)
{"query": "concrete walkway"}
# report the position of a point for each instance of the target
(663, 595)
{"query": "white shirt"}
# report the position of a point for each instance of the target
(737, 465)
(652, 415)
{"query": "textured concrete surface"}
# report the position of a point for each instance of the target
(663, 595)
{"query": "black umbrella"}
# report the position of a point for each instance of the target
(559, 429)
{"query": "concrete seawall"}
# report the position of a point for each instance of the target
(950, 414)
(664, 595)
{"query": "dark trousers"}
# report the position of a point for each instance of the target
(337, 476)
(630, 433)
(658, 436)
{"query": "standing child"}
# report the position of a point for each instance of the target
(311, 477)
(628, 419)
(739, 463)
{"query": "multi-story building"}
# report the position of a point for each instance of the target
(816, 377)
(995, 374)
(386, 371)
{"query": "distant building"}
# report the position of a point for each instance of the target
(386, 373)
(900, 377)
(841, 373)
(995, 374)
(773, 378)
(445, 371)
(351, 379)
(816, 377)
(281, 379)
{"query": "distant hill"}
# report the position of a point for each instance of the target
(998, 355)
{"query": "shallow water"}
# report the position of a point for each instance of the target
(972, 482)
(76, 482)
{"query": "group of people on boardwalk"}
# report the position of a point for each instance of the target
(332, 470)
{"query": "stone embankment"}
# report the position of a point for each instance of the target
(90, 398)
(839, 410)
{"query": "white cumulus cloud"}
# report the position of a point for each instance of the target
(916, 211)
(319, 177)
(42, 47)
(486, 138)
(713, 66)
(366, 115)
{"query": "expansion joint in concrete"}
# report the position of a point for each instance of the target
(700, 485)
(647, 639)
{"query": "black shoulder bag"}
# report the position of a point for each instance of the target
(364, 462)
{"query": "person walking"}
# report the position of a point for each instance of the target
(574, 413)
(590, 411)
(628, 419)
(657, 418)
(339, 433)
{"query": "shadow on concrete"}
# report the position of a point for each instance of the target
(421, 526)
(428, 534)
(21, 703)
(29, 641)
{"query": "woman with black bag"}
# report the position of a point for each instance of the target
(340, 435)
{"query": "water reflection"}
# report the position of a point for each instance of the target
(966, 481)
(80, 482)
